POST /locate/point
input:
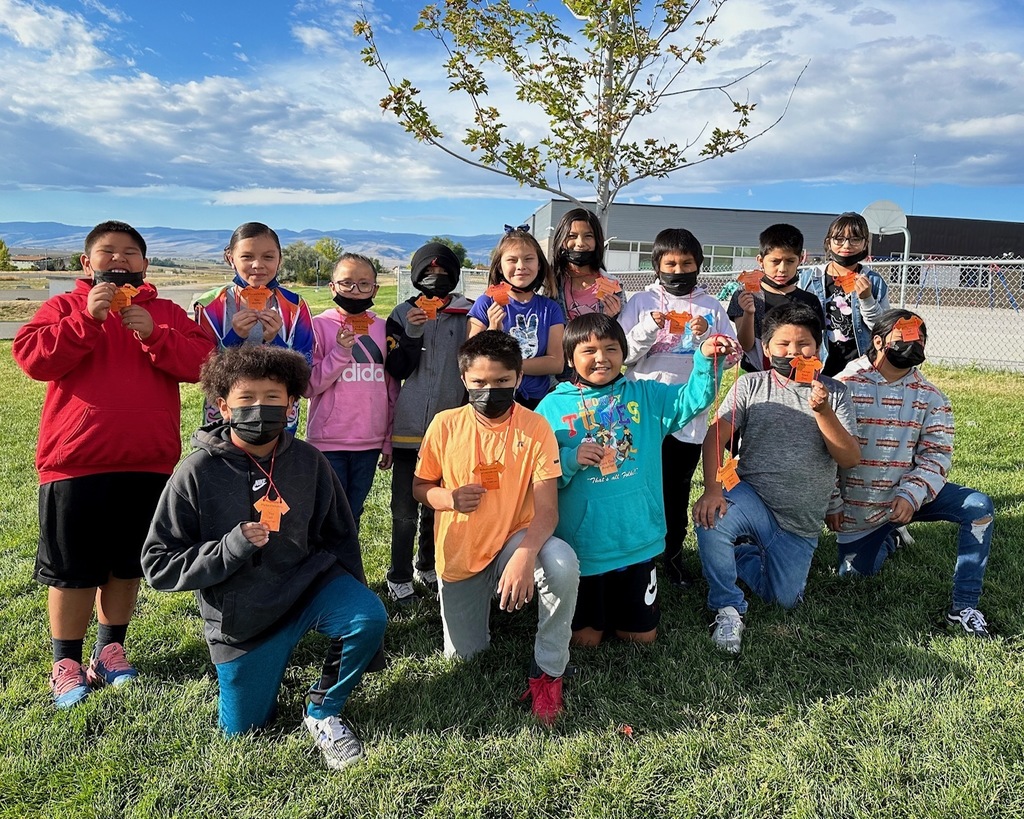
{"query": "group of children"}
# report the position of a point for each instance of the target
(542, 441)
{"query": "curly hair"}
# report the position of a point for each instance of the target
(251, 363)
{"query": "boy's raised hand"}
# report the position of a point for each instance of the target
(746, 302)
(138, 320)
(589, 453)
(467, 498)
(698, 325)
(98, 301)
(271, 321)
(721, 345)
(258, 534)
(416, 316)
(495, 316)
(818, 399)
(659, 318)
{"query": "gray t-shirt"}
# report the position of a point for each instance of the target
(783, 455)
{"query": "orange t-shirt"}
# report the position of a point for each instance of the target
(453, 446)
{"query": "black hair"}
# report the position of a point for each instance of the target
(799, 315)
(676, 240)
(562, 234)
(252, 362)
(598, 325)
(251, 230)
(522, 237)
(848, 224)
(113, 226)
(885, 324)
(492, 344)
(356, 257)
(781, 237)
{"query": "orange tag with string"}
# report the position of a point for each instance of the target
(256, 298)
(430, 305)
(677, 322)
(751, 280)
(608, 463)
(806, 368)
(271, 511)
(498, 293)
(909, 329)
(727, 473)
(360, 323)
(847, 281)
(490, 475)
(606, 287)
(123, 298)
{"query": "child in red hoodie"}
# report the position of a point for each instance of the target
(113, 354)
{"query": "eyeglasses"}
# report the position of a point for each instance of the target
(852, 241)
(351, 287)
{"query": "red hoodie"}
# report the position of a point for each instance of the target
(112, 402)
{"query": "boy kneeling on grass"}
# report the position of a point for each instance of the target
(795, 427)
(490, 470)
(263, 584)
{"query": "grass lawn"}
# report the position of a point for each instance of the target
(858, 703)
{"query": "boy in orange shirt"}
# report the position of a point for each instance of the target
(490, 470)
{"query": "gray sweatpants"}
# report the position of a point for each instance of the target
(466, 604)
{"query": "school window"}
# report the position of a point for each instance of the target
(725, 258)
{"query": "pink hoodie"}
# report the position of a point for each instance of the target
(351, 397)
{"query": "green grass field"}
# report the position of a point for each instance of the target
(858, 703)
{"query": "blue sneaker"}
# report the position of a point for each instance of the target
(110, 667)
(68, 683)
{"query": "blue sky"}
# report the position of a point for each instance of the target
(205, 115)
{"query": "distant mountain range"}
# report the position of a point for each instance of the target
(178, 243)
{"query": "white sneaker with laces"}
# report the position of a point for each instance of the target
(403, 593)
(970, 620)
(427, 578)
(336, 741)
(727, 630)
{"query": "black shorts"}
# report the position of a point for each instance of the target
(620, 600)
(94, 527)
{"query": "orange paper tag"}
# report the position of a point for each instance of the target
(490, 475)
(123, 298)
(751, 280)
(847, 281)
(271, 512)
(360, 323)
(677, 322)
(806, 369)
(909, 329)
(430, 305)
(256, 298)
(498, 293)
(727, 473)
(606, 287)
(608, 464)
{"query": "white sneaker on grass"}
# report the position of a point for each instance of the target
(970, 620)
(336, 741)
(727, 630)
(426, 578)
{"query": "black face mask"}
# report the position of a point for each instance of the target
(118, 279)
(492, 402)
(352, 306)
(680, 285)
(783, 365)
(535, 285)
(850, 261)
(258, 424)
(580, 381)
(435, 284)
(904, 354)
(579, 258)
(769, 283)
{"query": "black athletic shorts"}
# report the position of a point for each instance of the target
(620, 600)
(94, 526)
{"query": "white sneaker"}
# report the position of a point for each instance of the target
(727, 630)
(903, 537)
(427, 578)
(402, 593)
(336, 741)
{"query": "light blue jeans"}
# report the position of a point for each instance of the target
(970, 509)
(748, 544)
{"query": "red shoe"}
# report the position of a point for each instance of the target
(546, 693)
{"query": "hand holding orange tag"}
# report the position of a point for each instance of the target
(256, 298)
(909, 329)
(271, 511)
(847, 281)
(606, 287)
(806, 368)
(608, 463)
(430, 305)
(498, 293)
(751, 280)
(123, 298)
(677, 322)
(360, 323)
(490, 475)
(727, 473)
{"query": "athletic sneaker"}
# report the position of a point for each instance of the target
(336, 741)
(903, 537)
(727, 630)
(68, 683)
(402, 593)
(427, 578)
(110, 667)
(546, 694)
(970, 620)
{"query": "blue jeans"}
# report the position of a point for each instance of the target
(355, 470)
(344, 610)
(970, 509)
(747, 543)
